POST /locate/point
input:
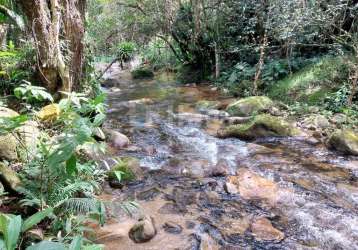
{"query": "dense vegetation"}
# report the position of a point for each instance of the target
(302, 53)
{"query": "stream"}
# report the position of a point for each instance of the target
(291, 194)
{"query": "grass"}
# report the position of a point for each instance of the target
(313, 83)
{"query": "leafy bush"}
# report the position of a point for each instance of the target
(32, 94)
(142, 73)
(125, 51)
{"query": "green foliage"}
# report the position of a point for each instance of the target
(11, 227)
(121, 171)
(158, 55)
(326, 74)
(32, 94)
(126, 51)
(16, 65)
(142, 73)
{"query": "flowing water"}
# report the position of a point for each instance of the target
(309, 194)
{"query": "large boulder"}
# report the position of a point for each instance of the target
(8, 142)
(260, 126)
(263, 230)
(9, 177)
(345, 141)
(250, 106)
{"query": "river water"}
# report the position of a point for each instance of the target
(306, 195)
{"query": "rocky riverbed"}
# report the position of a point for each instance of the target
(200, 187)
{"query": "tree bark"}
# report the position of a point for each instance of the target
(3, 35)
(58, 30)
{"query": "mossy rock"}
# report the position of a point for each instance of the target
(130, 171)
(345, 141)
(260, 126)
(250, 106)
(142, 73)
(9, 178)
(206, 105)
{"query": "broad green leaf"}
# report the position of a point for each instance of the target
(76, 243)
(13, 232)
(61, 154)
(35, 219)
(71, 165)
(47, 245)
(119, 174)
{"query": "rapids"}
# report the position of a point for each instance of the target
(307, 193)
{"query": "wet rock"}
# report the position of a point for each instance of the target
(262, 229)
(260, 126)
(9, 178)
(345, 141)
(197, 169)
(149, 194)
(252, 186)
(250, 106)
(117, 139)
(339, 119)
(49, 113)
(169, 208)
(172, 227)
(144, 230)
(231, 186)
(189, 224)
(222, 168)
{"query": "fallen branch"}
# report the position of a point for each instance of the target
(108, 67)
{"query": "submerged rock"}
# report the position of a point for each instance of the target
(250, 106)
(345, 141)
(260, 126)
(262, 229)
(144, 230)
(172, 227)
(9, 177)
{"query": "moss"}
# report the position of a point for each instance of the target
(345, 141)
(123, 166)
(260, 126)
(142, 73)
(249, 106)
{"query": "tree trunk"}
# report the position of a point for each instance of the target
(217, 62)
(260, 64)
(3, 35)
(50, 21)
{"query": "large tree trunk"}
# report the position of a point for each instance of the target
(3, 35)
(49, 21)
